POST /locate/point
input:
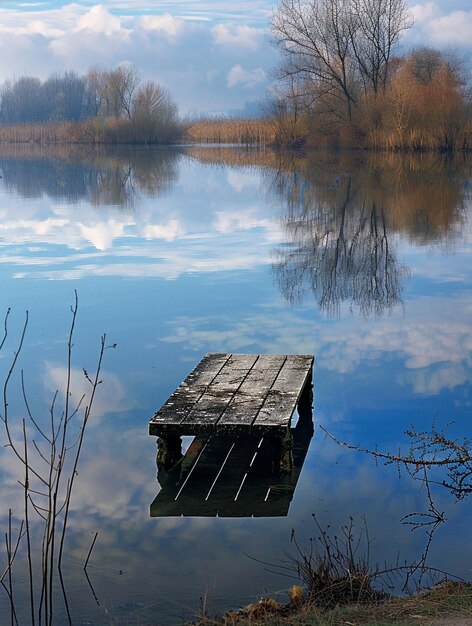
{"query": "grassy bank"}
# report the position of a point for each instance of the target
(448, 605)
(285, 130)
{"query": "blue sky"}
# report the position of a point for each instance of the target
(214, 56)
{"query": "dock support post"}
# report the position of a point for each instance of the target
(169, 451)
(305, 402)
(283, 457)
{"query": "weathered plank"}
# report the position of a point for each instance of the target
(219, 393)
(284, 394)
(245, 405)
(181, 402)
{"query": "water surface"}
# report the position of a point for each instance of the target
(364, 262)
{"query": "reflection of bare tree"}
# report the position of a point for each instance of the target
(116, 176)
(342, 254)
(341, 218)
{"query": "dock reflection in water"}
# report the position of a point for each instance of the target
(238, 475)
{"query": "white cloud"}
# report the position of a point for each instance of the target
(425, 11)
(99, 20)
(167, 24)
(246, 78)
(190, 50)
(237, 35)
(442, 25)
(453, 29)
(200, 51)
(39, 27)
(111, 396)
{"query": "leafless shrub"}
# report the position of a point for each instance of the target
(49, 456)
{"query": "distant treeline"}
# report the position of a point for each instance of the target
(419, 102)
(101, 106)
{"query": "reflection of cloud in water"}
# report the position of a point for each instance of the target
(448, 376)
(117, 475)
(169, 231)
(148, 243)
(168, 258)
(421, 341)
(111, 395)
(248, 219)
(116, 483)
(102, 235)
(241, 179)
(168, 268)
(63, 228)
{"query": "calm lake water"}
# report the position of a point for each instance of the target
(364, 262)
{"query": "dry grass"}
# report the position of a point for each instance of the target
(340, 588)
(238, 130)
(450, 604)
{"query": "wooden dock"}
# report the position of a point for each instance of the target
(245, 458)
(255, 392)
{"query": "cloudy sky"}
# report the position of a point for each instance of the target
(213, 55)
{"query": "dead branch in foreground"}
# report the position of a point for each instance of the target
(429, 450)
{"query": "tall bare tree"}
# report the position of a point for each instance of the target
(154, 113)
(314, 36)
(378, 25)
(112, 91)
(341, 47)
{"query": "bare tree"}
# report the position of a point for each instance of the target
(378, 25)
(121, 85)
(315, 39)
(286, 112)
(94, 91)
(341, 47)
(154, 113)
(65, 97)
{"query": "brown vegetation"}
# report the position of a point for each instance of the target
(340, 587)
(259, 131)
(342, 82)
(423, 105)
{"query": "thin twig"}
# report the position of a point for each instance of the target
(90, 551)
(28, 536)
